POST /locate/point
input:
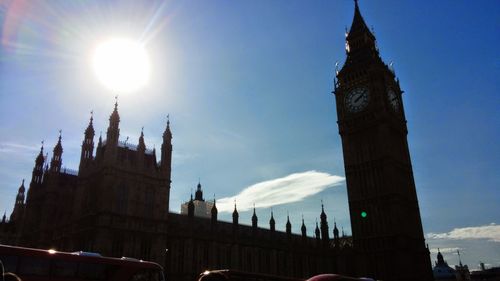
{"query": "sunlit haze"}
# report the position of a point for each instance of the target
(121, 64)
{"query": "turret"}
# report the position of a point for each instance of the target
(254, 219)
(113, 132)
(272, 223)
(18, 211)
(141, 147)
(166, 152)
(191, 207)
(316, 232)
(141, 150)
(235, 215)
(87, 145)
(288, 226)
(55, 163)
(214, 213)
(38, 169)
(324, 225)
(199, 193)
(336, 238)
(303, 228)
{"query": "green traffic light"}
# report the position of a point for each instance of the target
(364, 214)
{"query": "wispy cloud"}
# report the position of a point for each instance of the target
(7, 147)
(445, 250)
(490, 232)
(288, 189)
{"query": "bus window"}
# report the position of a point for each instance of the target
(34, 266)
(9, 263)
(62, 268)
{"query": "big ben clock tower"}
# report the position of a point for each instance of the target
(383, 205)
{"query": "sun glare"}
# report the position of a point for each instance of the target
(121, 65)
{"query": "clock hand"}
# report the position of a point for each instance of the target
(360, 96)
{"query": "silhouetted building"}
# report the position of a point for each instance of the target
(383, 205)
(117, 203)
(202, 208)
(441, 270)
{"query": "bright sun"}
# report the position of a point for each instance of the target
(121, 65)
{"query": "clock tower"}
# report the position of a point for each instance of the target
(385, 217)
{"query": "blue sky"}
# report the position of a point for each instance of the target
(247, 86)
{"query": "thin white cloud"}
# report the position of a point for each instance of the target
(288, 189)
(445, 250)
(490, 232)
(7, 147)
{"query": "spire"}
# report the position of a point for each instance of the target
(191, 207)
(167, 135)
(335, 229)
(303, 228)
(55, 163)
(142, 145)
(288, 225)
(324, 224)
(39, 159)
(20, 194)
(99, 143)
(235, 214)
(323, 215)
(90, 128)
(254, 218)
(214, 212)
(272, 223)
(459, 258)
(440, 259)
(360, 42)
(316, 231)
(21, 188)
(113, 132)
(166, 151)
(87, 144)
(199, 193)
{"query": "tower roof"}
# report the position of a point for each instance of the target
(199, 193)
(115, 117)
(58, 148)
(90, 128)
(358, 26)
(167, 135)
(21, 188)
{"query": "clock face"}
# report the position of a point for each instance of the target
(393, 99)
(357, 99)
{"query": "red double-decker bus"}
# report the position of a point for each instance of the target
(41, 265)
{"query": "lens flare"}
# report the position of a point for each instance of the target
(122, 65)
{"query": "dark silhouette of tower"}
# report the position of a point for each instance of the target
(385, 216)
(191, 207)
(254, 219)
(87, 146)
(324, 226)
(214, 214)
(272, 223)
(19, 206)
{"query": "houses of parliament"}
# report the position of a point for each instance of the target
(117, 203)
